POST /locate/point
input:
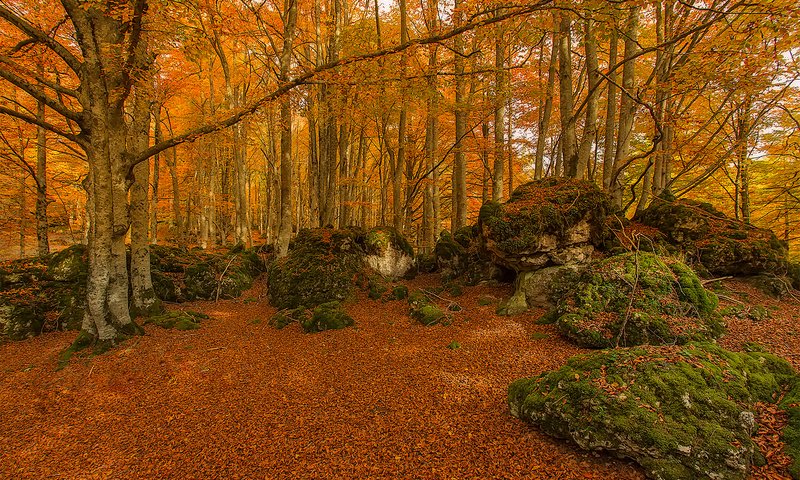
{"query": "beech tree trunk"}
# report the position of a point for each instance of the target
(569, 139)
(42, 226)
(460, 161)
(285, 230)
(499, 113)
(627, 106)
(546, 111)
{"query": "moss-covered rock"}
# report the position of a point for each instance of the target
(793, 272)
(178, 320)
(461, 257)
(389, 253)
(327, 316)
(323, 265)
(637, 298)
(724, 246)
(69, 265)
(424, 310)
(682, 413)
(283, 318)
(222, 276)
(546, 222)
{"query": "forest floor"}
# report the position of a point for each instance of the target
(239, 399)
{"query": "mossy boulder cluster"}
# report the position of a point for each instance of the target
(681, 412)
(48, 293)
(546, 222)
(323, 265)
(722, 245)
(178, 320)
(43, 294)
(633, 299)
(461, 257)
(181, 274)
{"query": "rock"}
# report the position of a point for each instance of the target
(226, 276)
(323, 265)
(793, 272)
(18, 322)
(462, 257)
(424, 310)
(389, 253)
(682, 413)
(545, 222)
(543, 288)
(69, 265)
(773, 285)
(178, 320)
(451, 256)
(601, 308)
(327, 316)
(722, 245)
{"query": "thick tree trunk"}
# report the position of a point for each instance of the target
(157, 137)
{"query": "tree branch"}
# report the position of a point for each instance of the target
(39, 123)
(41, 37)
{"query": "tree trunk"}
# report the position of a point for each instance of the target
(144, 301)
(627, 107)
(499, 113)
(547, 109)
(593, 78)
(157, 137)
(569, 140)
(459, 196)
(285, 231)
(611, 114)
(42, 227)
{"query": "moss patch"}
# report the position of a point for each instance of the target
(680, 412)
(637, 298)
(178, 320)
(327, 316)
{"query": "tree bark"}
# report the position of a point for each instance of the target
(569, 140)
(459, 196)
(499, 113)
(285, 231)
(546, 111)
(627, 106)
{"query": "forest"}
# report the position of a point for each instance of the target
(531, 239)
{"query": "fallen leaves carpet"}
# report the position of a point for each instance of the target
(239, 399)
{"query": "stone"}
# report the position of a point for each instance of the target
(631, 403)
(724, 246)
(545, 223)
(600, 308)
(389, 253)
(69, 265)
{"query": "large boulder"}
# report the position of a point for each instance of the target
(323, 265)
(69, 265)
(632, 299)
(723, 246)
(461, 257)
(682, 413)
(389, 253)
(539, 288)
(546, 222)
(222, 276)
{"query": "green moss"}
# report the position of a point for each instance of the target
(178, 320)
(428, 314)
(285, 317)
(680, 412)
(323, 265)
(547, 206)
(399, 292)
(378, 239)
(668, 304)
(454, 345)
(377, 287)
(327, 316)
(486, 300)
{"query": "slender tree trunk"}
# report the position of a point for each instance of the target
(285, 231)
(611, 115)
(431, 137)
(593, 79)
(569, 140)
(459, 195)
(627, 107)
(42, 227)
(499, 113)
(547, 109)
(157, 137)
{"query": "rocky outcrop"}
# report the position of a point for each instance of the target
(633, 299)
(682, 413)
(722, 245)
(545, 222)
